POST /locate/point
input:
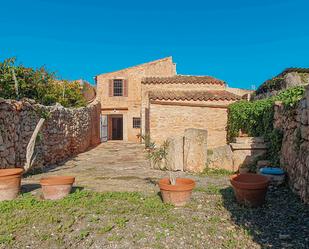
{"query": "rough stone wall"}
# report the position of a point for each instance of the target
(283, 81)
(65, 133)
(172, 120)
(295, 146)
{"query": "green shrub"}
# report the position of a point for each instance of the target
(37, 84)
(256, 118)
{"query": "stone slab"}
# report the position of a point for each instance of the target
(195, 150)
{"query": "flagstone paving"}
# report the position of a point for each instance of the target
(112, 166)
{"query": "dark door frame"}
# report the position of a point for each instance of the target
(117, 127)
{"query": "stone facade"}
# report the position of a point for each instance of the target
(158, 120)
(172, 120)
(295, 147)
(65, 132)
(130, 106)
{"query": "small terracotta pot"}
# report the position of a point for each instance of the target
(250, 189)
(10, 183)
(178, 194)
(56, 187)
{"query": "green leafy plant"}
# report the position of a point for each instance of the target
(17, 82)
(149, 144)
(256, 118)
(157, 155)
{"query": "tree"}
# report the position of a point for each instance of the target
(17, 82)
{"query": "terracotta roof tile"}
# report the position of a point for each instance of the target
(182, 79)
(193, 95)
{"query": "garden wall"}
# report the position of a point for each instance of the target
(295, 146)
(65, 132)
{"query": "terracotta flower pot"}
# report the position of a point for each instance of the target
(56, 187)
(250, 189)
(10, 183)
(178, 194)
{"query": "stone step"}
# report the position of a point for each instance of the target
(263, 163)
(247, 140)
(249, 146)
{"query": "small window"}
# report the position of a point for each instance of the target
(136, 122)
(118, 87)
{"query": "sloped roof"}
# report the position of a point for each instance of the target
(140, 65)
(183, 79)
(210, 95)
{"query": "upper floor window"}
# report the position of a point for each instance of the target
(118, 87)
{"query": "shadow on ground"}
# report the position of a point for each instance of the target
(29, 187)
(282, 222)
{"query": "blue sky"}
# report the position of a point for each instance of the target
(242, 42)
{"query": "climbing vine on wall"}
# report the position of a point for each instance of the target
(256, 118)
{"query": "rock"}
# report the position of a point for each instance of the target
(243, 158)
(195, 150)
(249, 140)
(292, 79)
(263, 163)
(221, 158)
(175, 153)
(284, 236)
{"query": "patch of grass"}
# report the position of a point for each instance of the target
(114, 237)
(121, 221)
(133, 220)
(216, 172)
(83, 234)
(6, 239)
(160, 235)
(106, 229)
(211, 189)
(214, 219)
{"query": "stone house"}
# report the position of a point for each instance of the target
(152, 98)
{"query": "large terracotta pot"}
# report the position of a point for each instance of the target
(250, 189)
(178, 194)
(10, 183)
(56, 187)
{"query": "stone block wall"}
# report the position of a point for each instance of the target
(172, 120)
(295, 147)
(65, 132)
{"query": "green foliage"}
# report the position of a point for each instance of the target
(37, 84)
(216, 172)
(256, 118)
(156, 155)
(270, 85)
(149, 144)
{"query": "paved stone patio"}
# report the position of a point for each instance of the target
(111, 166)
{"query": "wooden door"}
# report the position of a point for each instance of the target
(117, 128)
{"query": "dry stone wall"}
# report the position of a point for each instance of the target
(295, 147)
(65, 132)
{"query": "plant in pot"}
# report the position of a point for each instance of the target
(250, 189)
(176, 191)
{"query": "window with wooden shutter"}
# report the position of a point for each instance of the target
(111, 88)
(118, 87)
(125, 88)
